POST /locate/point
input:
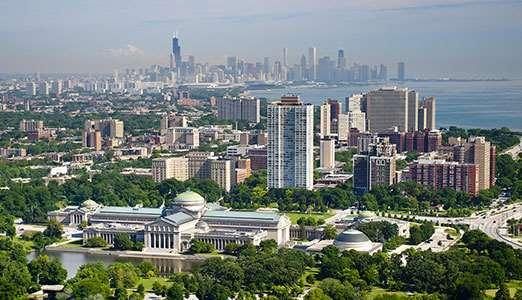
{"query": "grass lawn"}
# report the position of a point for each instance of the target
(148, 282)
(73, 244)
(513, 285)
(380, 292)
(294, 216)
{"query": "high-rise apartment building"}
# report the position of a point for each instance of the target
(290, 143)
(441, 174)
(198, 164)
(428, 106)
(172, 120)
(171, 167)
(236, 109)
(109, 128)
(92, 139)
(477, 150)
(31, 125)
(220, 172)
(327, 153)
(354, 103)
(335, 110)
(413, 108)
(387, 108)
(357, 119)
(182, 137)
(374, 165)
(325, 121)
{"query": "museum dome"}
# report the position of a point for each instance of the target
(352, 239)
(190, 200)
(89, 204)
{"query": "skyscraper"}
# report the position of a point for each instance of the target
(428, 104)
(401, 71)
(413, 108)
(327, 153)
(290, 143)
(285, 57)
(387, 108)
(325, 118)
(312, 63)
(374, 166)
(341, 61)
(175, 58)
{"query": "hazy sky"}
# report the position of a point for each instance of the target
(458, 38)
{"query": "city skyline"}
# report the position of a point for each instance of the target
(136, 39)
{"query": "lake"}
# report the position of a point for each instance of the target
(477, 104)
(72, 261)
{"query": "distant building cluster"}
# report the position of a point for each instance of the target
(226, 172)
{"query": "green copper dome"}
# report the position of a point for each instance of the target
(189, 199)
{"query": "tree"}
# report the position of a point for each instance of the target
(158, 288)
(90, 287)
(95, 242)
(140, 289)
(201, 247)
(502, 293)
(120, 294)
(231, 248)
(518, 295)
(268, 246)
(175, 292)
(316, 294)
(14, 279)
(7, 225)
(467, 287)
(122, 241)
(329, 232)
(146, 269)
(226, 272)
(123, 275)
(47, 271)
(54, 230)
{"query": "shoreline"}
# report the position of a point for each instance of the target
(129, 254)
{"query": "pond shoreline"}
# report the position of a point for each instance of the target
(129, 254)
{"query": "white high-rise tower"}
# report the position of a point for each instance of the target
(290, 143)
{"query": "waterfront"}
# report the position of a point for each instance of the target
(471, 104)
(72, 261)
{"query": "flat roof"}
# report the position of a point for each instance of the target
(242, 215)
(130, 210)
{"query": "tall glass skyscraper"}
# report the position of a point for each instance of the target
(175, 56)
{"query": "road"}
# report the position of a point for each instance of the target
(493, 224)
(515, 150)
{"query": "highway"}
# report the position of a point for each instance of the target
(515, 150)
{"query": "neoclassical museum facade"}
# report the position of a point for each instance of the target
(171, 229)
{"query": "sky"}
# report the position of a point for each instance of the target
(435, 38)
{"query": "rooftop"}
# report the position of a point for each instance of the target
(242, 215)
(126, 210)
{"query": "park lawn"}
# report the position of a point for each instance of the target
(310, 271)
(512, 285)
(148, 282)
(294, 216)
(379, 292)
(73, 244)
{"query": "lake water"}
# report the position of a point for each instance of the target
(479, 104)
(72, 261)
